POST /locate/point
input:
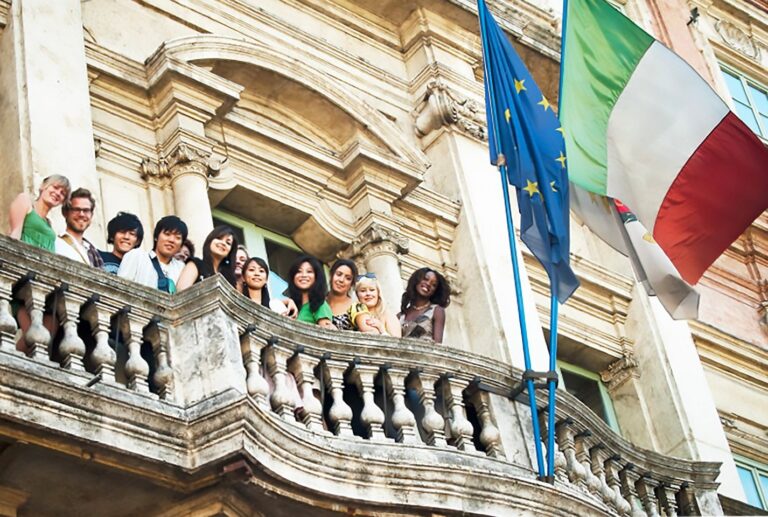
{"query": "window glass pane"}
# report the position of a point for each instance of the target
(280, 258)
(764, 486)
(747, 115)
(760, 99)
(764, 121)
(735, 87)
(586, 390)
(750, 488)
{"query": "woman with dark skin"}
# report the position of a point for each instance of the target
(422, 310)
(219, 251)
(307, 288)
(347, 313)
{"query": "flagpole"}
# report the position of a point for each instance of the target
(501, 164)
(553, 304)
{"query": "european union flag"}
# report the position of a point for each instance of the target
(523, 127)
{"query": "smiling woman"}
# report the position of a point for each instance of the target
(219, 255)
(28, 220)
(422, 311)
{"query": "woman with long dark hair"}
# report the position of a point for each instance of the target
(219, 251)
(422, 310)
(348, 314)
(307, 289)
(255, 276)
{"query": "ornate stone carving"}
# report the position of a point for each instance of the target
(619, 371)
(443, 107)
(737, 39)
(183, 159)
(377, 238)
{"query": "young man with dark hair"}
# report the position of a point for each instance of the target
(157, 268)
(78, 214)
(125, 232)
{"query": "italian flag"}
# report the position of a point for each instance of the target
(642, 126)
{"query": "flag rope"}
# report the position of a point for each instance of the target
(501, 163)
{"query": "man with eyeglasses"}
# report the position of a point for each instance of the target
(78, 214)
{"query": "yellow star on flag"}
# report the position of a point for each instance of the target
(532, 188)
(552, 186)
(544, 102)
(561, 159)
(561, 130)
(520, 86)
(507, 114)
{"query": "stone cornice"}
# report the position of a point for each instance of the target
(5, 7)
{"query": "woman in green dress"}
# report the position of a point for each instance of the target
(307, 288)
(29, 219)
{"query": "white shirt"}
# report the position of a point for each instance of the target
(74, 251)
(137, 266)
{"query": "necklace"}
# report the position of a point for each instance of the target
(420, 307)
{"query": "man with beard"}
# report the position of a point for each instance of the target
(78, 214)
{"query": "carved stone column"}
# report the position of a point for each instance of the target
(188, 170)
(379, 248)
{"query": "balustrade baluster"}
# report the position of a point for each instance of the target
(402, 418)
(340, 413)
(629, 478)
(37, 337)
(666, 496)
(302, 367)
(372, 417)
(71, 348)
(490, 436)
(283, 399)
(612, 469)
(687, 501)
(561, 465)
(157, 335)
(460, 427)
(432, 422)
(582, 456)
(597, 455)
(8, 326)
(136, 368)
(646, 490)
(103, 357)
(577, 474)
(257, 386)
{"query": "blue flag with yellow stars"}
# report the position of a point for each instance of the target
(523, 127)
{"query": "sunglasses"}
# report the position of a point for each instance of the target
(370, 275)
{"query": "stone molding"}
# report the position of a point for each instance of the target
(737, 39)
(378, 239)
(184, 159)
(620, 371)
(441, 106)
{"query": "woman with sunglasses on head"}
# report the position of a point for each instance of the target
(219, 251)
(255, 276)
(347, 313)
(422, 310)
(380, 320)
(307, 289)
(28, 220)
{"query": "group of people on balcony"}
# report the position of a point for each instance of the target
(352, 301)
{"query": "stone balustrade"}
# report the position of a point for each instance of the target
(205, 374)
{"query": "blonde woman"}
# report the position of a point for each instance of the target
(369, 293)
(28, 219)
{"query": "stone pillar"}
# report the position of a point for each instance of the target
(45, 111)
(380, 248)
(188, 170)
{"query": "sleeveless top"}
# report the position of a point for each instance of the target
(38, 232)
(421, 327)
(346, 320)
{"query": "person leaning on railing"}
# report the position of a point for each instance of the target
(28, 220)
(422, 310)
(307, 288)
(381, 320)
(219, 250)
(348, 314)
(125, 233)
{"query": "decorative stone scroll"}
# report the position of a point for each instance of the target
(377, 239)
(620, 371)
(183, 159)
(441, 106)
(737, 39)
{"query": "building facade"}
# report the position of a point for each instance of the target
(352, 129)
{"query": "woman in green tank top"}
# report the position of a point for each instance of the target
(29, 219)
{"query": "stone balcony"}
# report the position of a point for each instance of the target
(148, 404)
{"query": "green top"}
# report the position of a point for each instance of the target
(38, 232)
(322, 312)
